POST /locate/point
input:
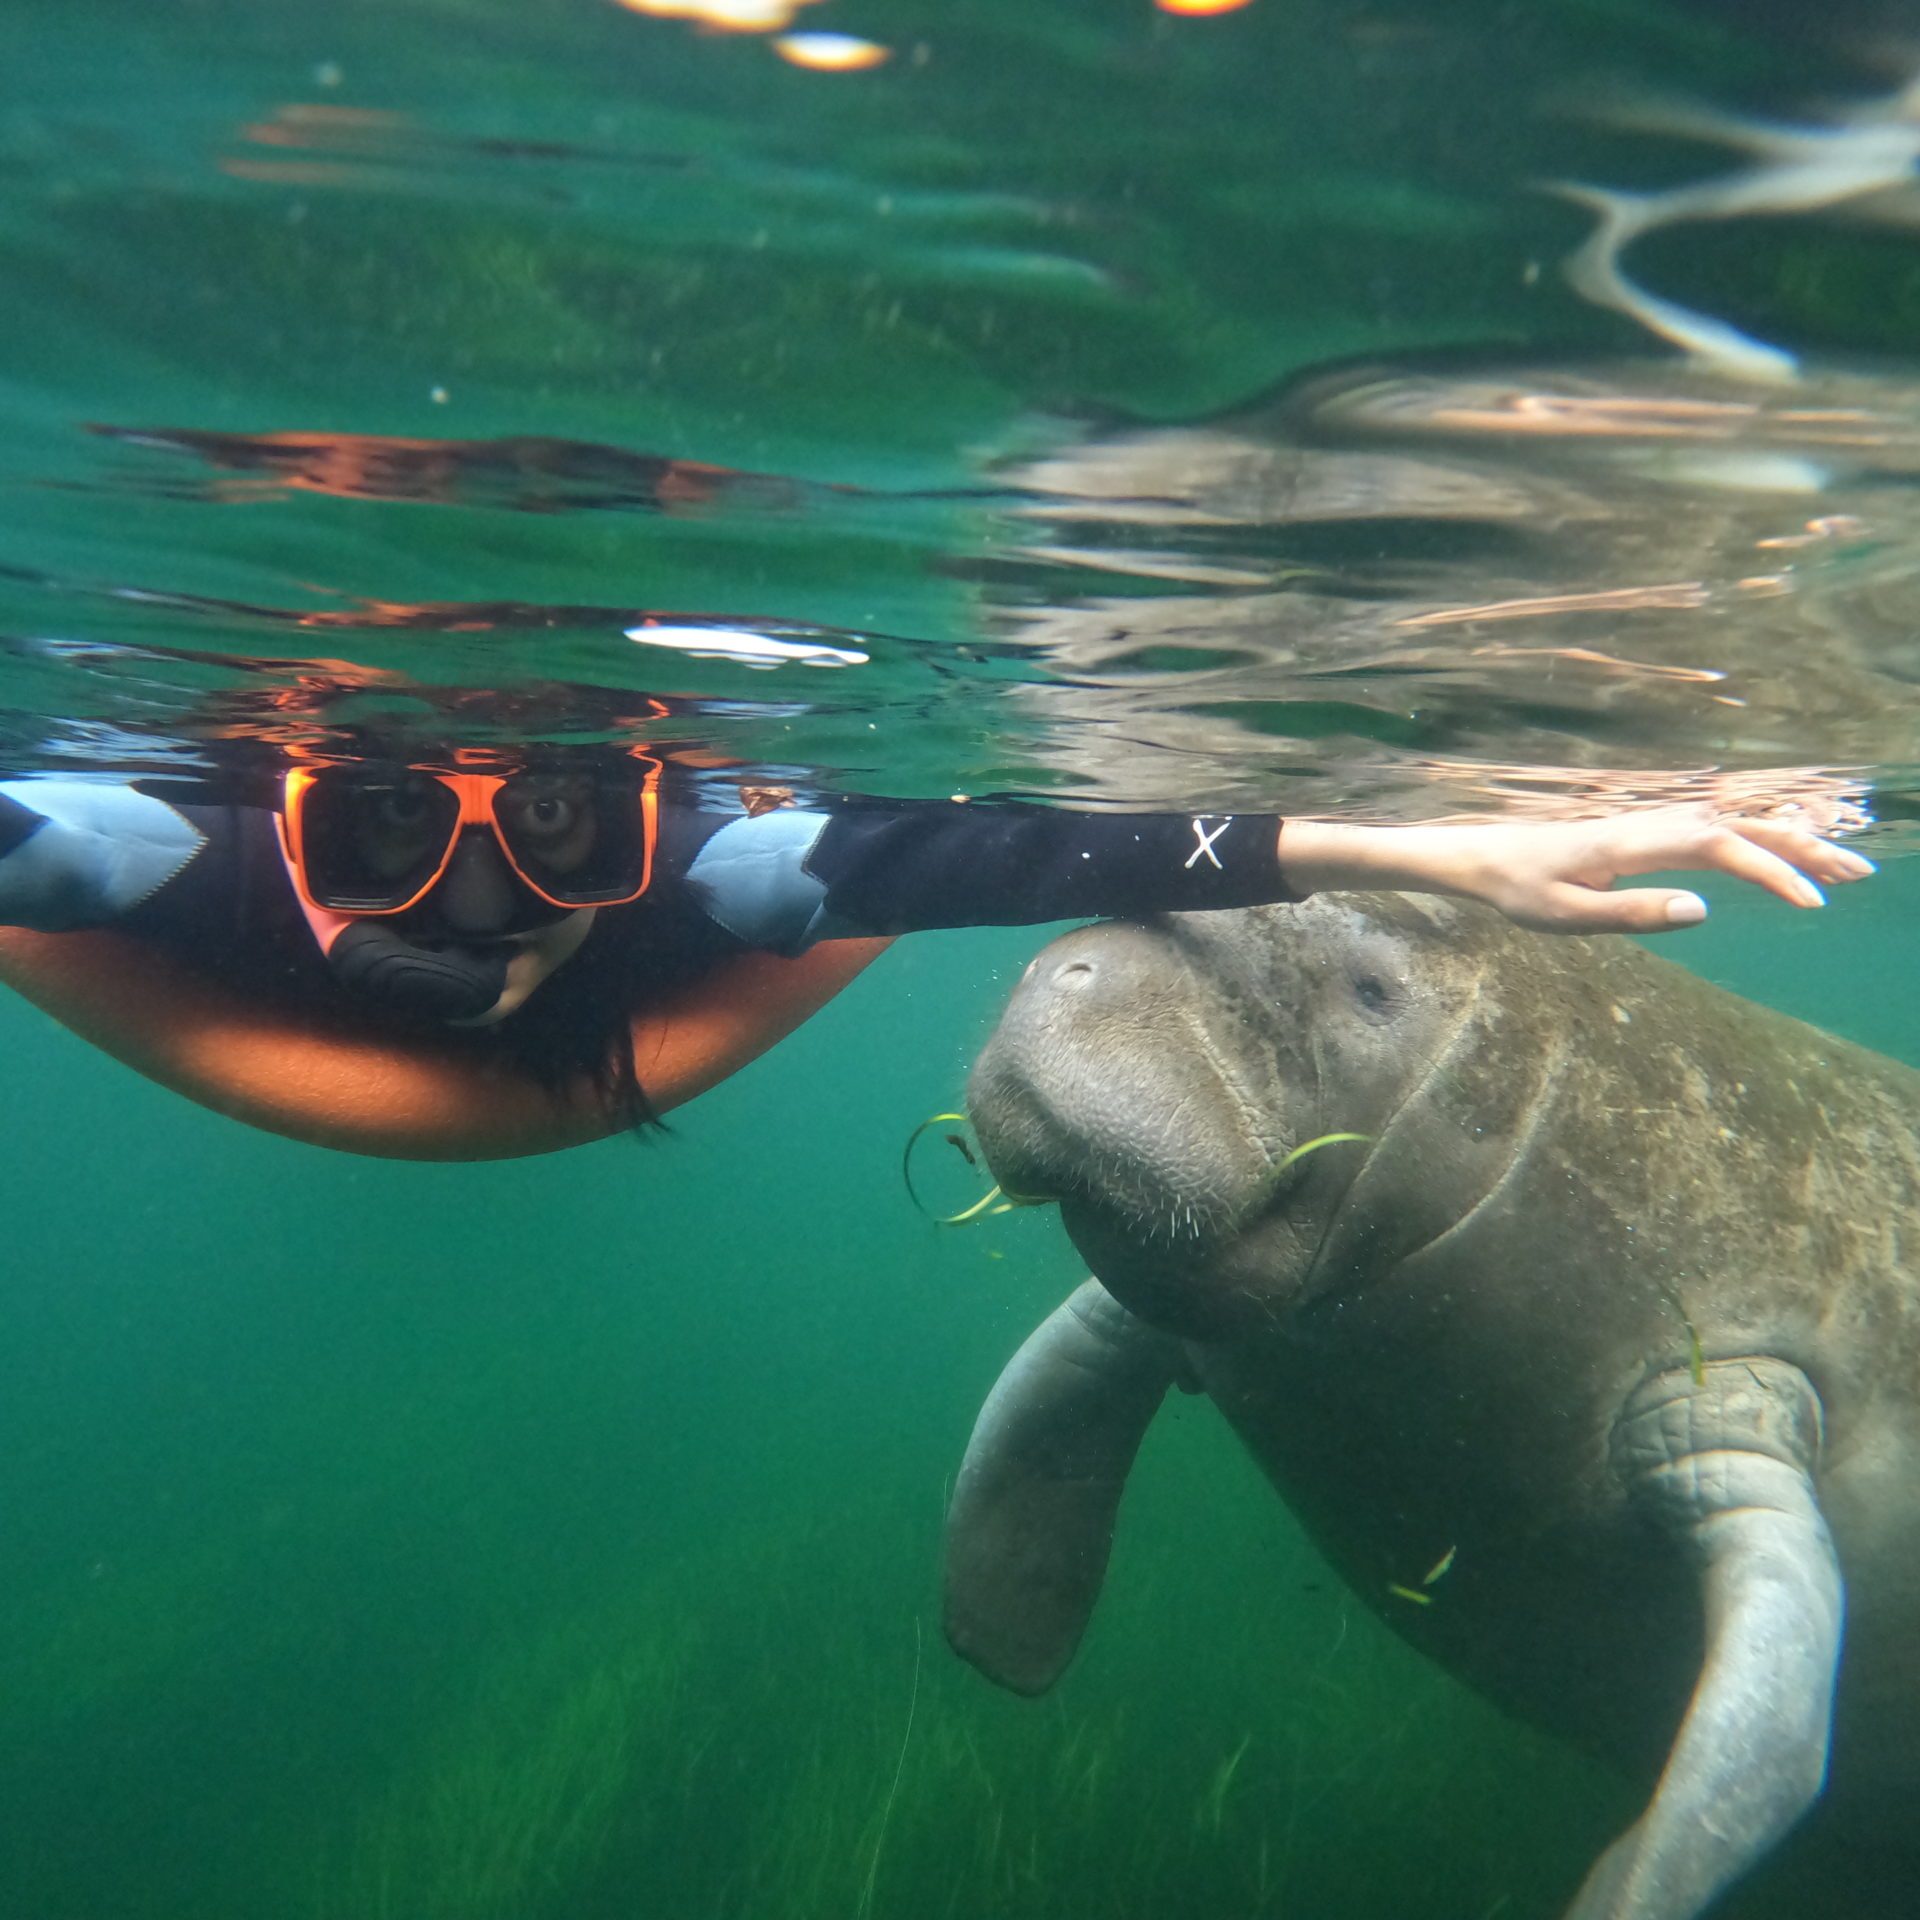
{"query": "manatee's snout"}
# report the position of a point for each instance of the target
(1113, 1080)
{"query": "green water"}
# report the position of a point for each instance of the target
(559, 1540)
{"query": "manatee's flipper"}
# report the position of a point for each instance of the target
(1031, 1522)
(1727, 1466)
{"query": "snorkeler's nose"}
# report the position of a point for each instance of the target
(476, 894)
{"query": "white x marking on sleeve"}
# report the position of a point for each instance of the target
(1206, 841)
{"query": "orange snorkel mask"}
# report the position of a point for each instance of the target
(363, 838)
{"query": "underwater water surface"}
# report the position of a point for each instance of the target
(1115, 405)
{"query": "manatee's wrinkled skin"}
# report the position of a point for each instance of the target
(1581, 1159)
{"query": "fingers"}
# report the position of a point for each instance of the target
(1566, 908)
(1731, 850)
(1780, 855)
(1822, 859)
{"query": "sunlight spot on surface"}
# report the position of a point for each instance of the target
(831, 52)
(743, 646)
(729, 16)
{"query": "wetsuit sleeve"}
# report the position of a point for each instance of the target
(787, 878)
(85, 853)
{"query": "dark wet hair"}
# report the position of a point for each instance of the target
(578, 1024)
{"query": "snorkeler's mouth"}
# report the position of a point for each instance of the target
(479, 945)
(427, 931)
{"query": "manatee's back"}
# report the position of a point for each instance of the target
(1765, 1180)
(1676, 1171)
(1785, 1167)
(1758, 1178)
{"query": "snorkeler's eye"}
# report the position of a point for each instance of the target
(400, 807)
(545, 815)
(551, 815)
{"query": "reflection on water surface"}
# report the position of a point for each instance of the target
(1065, 388)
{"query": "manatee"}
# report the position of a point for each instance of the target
(1604, 1342)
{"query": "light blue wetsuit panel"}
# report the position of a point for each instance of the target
(100, 849)
(751, 878)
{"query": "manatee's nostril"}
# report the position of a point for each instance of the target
(1072, 975)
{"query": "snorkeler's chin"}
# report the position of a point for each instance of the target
(541, 952)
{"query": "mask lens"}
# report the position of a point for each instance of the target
(577, 837)
(369, 841)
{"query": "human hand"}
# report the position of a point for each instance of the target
(1553, 875)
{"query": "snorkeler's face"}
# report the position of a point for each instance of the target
(371, 840)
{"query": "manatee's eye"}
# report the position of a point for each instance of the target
(1373, 993)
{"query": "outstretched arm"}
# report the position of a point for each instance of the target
(1554, 875)
(788, 877)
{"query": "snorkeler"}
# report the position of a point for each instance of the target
(442, 958)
